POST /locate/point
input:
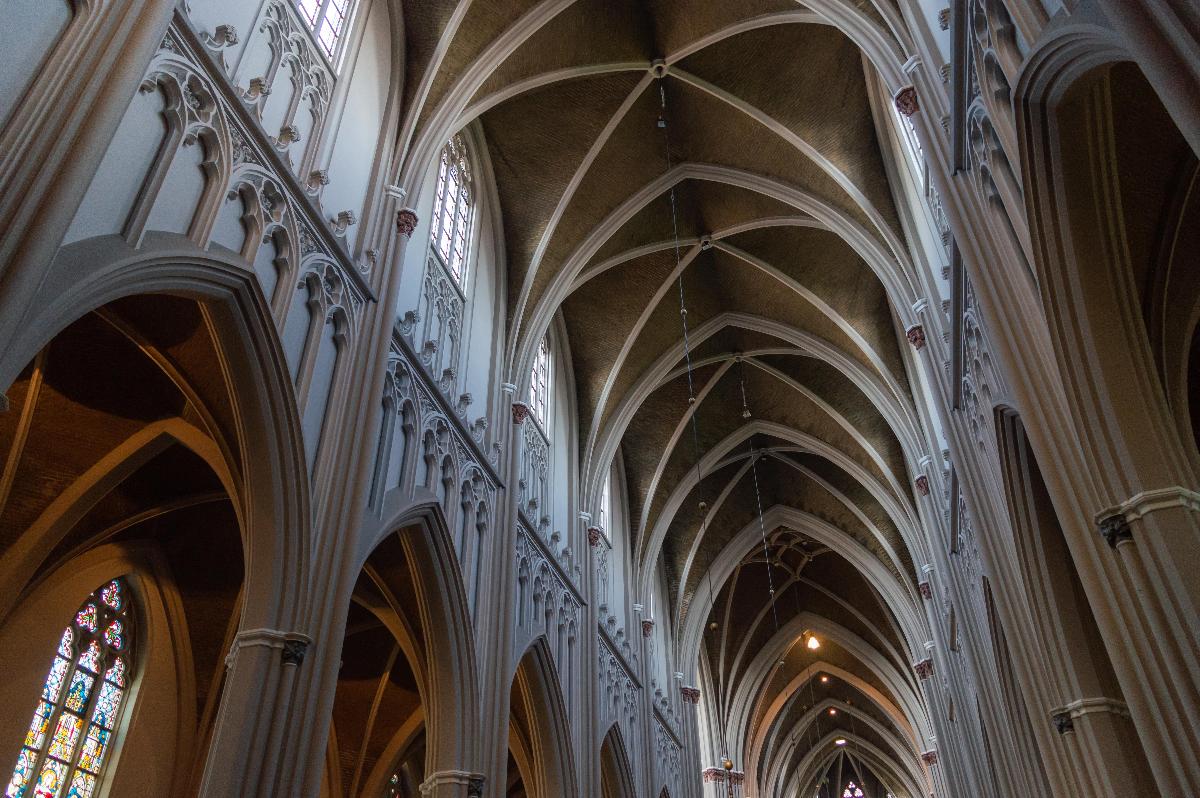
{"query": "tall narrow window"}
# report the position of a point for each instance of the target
(539, 386)
(327, 18)
(452, 209)
(606, 506)
(76, 715)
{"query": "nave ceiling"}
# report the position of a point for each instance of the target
(765, 201)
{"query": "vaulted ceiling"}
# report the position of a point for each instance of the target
(724, 159)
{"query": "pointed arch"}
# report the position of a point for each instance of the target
(540, 724)
(616, 774)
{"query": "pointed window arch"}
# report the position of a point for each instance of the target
(75, 720)
(453, 209)
(539, 386)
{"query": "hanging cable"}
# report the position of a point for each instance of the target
(694, 423)
(762, 525)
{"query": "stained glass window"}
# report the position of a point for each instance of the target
(852, 791)
(74, 720)
(327, 20)
(539, 386)
(453, 208)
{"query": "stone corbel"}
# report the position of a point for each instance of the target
(593, 536)
(520, 412)
(916, 336)
(922, 484)
(259, 88)
(924, 668)
(317, 180)
(1114, 522)
(343, 222)
(288, 135)
(406, 222)
(930, 758)
(223, 36)
(906, 101)
(647, 627)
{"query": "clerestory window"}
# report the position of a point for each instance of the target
(453, 209)
(327, 19)
(539, 387)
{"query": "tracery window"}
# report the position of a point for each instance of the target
(327, 19)
(912, 148)
(539, 386)
(852, 791)
(453, 208)
(80, 701)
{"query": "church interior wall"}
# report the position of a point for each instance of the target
(403, 510)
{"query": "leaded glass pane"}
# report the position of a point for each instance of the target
(82, 785)
(66, 735)
(94, 748)
(36, 736)
(110, 594)
(54, 682)
(107, 704)
(22, 773)
(116, 672)
(70, 703)
(50, 780)
(81, 688)
(87, 617)
(90, 658)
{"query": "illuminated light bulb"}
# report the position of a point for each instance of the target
(824, 680)
(832, 711)
(812, 642)
(840, 741)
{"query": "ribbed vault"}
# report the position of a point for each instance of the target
(765, 202)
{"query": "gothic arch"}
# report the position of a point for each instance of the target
(616, 774)
(540, 724)
(273, 496)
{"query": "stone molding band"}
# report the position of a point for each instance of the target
(1114, 522)
(473, 782)
(291, 645)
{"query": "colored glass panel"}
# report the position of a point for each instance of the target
(114, 635)
(64, 645)
(116, 672)
(82, 785)
(66, 734)
(86, 618)
(94, 748)
(90, 658)
(37, 728)
(50, 780)
(22, 774)
(81, 688)
(110, 594)
(105, 712)
(54, 682)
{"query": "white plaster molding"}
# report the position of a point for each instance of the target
(1087, 706)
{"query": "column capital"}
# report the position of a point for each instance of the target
(593, 536)
(1114, 521)
(916, 336)
(924, 668)
(453, 783)
(691, 695)
(520, 412)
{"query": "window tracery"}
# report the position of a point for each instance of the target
(453, 208)
(852, 791)
(80, 700)
(327, 20)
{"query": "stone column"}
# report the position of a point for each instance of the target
(251, 726)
